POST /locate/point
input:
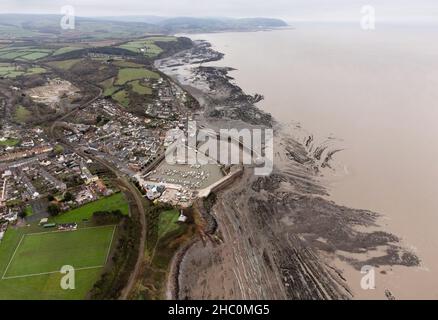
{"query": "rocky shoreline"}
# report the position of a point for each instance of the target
(278, 234)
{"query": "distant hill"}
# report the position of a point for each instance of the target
(145, 19)
(191, 24)
(43, 26)
(221, 23)
(17, 26)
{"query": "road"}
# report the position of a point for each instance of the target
(133, 191)
(123, 182)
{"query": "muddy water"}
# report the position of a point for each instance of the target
(377, 93)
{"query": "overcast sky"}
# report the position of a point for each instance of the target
(286, 9)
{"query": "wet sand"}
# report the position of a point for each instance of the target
(277, 237)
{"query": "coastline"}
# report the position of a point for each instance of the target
(194, 33)
(298, 233)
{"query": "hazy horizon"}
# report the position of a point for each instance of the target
(294, 10)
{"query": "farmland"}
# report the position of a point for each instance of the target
(33, 53)
(65, 50)
(122, 98)
(109, 88)
(147, 46)
(128, 80)
(9, 142)
(21, 114)
(139, 88)
(127, 64)
(64, 64)
(128, 74)
(8, 70)
(111, 203)
(24, 53)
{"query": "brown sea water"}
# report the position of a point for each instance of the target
(376, 92)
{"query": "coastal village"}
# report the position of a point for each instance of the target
(99, 127)
(84, 139)
(37, 173)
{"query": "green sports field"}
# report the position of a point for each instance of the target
(30, 262)
(115, 202)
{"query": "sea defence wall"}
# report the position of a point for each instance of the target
(235, 173)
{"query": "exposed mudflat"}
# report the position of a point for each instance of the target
(279, 235)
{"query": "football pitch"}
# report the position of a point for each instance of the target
(33, 268)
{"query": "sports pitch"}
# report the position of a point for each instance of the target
(33, 268)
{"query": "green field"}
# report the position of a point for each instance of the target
(6, 68)
(127, 64)
(108, 92)
(64, 64)
(34, 56)
(9, 142)
(168, 222)
(28, 211)
(10, 71)
(149, 45)
(166, 237)
(111, 203)
(30, 262)
(107, 83)
(109, 88)
(122, 98)
(24, 53)
(139, 88)
(36, 70)
(65, 50)
(128, 74)
(128, 80)
(21, 114)
(31, 257)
